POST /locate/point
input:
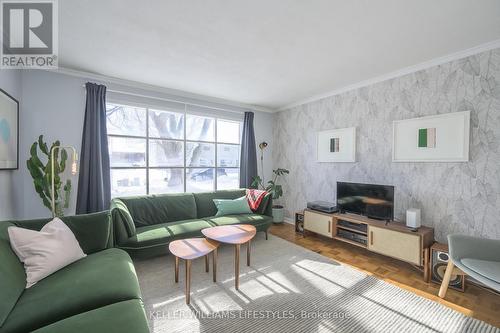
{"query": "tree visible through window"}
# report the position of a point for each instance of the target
(160, 151)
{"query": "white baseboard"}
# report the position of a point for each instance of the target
(289, 220)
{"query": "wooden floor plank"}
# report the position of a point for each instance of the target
(475, 301)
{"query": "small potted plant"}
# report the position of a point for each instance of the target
(276, 191)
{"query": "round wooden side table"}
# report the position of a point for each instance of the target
(188, 250)
(236, 234)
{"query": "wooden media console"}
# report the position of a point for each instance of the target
(392, 239)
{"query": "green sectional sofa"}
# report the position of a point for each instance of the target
(99, 293)
(145, 225)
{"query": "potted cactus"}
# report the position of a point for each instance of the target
(276, 191)
(42, 173)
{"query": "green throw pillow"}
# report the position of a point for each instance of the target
(228, 207)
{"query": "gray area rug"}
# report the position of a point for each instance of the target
(287, 289)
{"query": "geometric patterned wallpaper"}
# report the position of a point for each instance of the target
(454, 197)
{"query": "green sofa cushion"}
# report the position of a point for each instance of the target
(232, 206)
(185, 229)
(161, 234)
(93, 231)
(148, 236)
(157, 209)
(98, 280)
(253, 219)
(12, 274)
(122, 317)
(205, 201)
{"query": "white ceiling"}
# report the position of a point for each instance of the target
(269, 53)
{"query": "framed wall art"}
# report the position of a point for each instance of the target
(9, 132)
(439, 138)
(337, 145)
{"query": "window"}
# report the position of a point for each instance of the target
(156, 151)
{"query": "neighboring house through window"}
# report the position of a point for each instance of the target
(156, 151)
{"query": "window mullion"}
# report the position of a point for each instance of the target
(126, 136)
(185, 148)
(231, 146)
(239, 164)
(147, 151)
(215, 161)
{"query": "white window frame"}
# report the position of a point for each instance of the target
(184, 140)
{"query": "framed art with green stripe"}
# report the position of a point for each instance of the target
(436, 138)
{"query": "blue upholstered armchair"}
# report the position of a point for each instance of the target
(476, 257)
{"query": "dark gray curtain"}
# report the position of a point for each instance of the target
(248, 161)
(94, 188)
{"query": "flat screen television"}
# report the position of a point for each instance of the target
(374, 201)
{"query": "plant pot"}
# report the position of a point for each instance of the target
(278, 214)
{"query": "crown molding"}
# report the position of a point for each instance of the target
(158, 89)
(401, 72)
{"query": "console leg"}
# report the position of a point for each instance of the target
(426, 264)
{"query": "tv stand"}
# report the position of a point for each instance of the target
(388, 238)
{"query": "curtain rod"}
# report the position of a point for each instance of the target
(168, 100)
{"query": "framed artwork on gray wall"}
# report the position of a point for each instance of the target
(337, 145)
(438, 138)
(9, 132)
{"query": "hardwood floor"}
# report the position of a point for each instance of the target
(476, 301)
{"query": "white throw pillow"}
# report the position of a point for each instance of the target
(46, 251)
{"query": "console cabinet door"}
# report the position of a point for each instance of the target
(318, 223)
(395, 244)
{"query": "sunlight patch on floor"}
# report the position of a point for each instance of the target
(278, 282)
(327, 272)
(170, 300)
(220, 300)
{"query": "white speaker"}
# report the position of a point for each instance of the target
(413, 218)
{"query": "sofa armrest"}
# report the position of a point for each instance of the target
(123, 223)
(93, 231)
(269, 208)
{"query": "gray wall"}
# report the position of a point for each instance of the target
(10, 81)
(454, 197)
(54, 104)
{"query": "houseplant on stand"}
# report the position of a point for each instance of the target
(47, 171)
(275, 189)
